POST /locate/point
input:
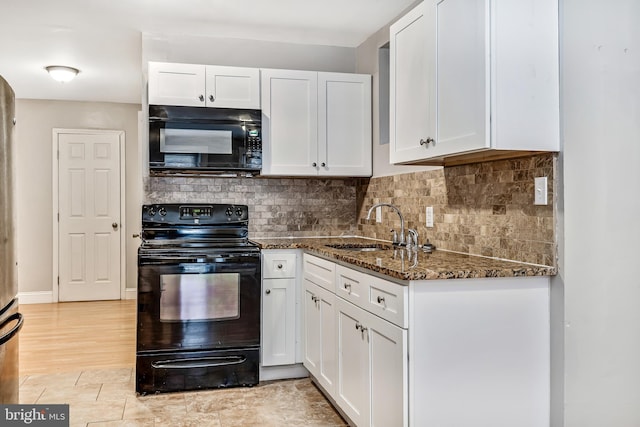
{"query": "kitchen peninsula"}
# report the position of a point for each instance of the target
(402, 337)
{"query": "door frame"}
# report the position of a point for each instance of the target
(55, 284)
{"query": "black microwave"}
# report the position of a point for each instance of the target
(204, 140)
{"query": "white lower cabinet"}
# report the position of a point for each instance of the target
(320, 344)
(358, 358)
(372, 368)
(463, 352)
(279, 308)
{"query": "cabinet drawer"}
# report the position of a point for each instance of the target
(351, 285)
(319, 271)
(278, 265)
(388, 300)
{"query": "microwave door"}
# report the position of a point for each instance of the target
(196, 141)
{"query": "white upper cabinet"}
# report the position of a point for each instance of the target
(344, 124)
(233, 87)
(289, 122)
(316, 123)
(204, 85)
(491, 79)
(412, 92)
(176, 84)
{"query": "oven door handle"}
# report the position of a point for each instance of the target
(200, 258)
(203, 362)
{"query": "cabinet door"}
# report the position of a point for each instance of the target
(311, 334)
(412, 92)
(462, 76)
(289, 122)
(176, 84)
(233, 87)
(328, 347)
(353, 388)
(278, 322)
(344, 124)
(389, 373)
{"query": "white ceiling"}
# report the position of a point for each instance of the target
(103, 37)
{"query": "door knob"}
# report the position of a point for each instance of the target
(201, 98)
(114, 225)
(268, 291)
(211, 98)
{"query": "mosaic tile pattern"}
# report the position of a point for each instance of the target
(277, 206)
(482, 209)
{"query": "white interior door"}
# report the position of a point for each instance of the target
(89, 229)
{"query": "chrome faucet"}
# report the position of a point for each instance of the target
(401, 241)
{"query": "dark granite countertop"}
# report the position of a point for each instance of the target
(408, 265)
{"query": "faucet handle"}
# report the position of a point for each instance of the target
(395, 236)
(413, 238)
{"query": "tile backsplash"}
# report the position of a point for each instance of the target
(482, 209)
(278, 207)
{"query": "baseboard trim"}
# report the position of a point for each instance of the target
(130, 293)
(269, 373)
(37, 297)
(46, 297)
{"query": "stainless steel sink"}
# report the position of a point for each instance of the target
(359, 247)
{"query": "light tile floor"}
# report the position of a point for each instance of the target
(106, 398)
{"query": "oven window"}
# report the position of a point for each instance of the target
(196, 141)
(185, 297)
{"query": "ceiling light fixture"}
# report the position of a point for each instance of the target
(62, 73)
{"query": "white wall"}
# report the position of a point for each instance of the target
(601, 175)
(246, 53)
(34, 143)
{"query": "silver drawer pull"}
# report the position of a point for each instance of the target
(280, 266)
(347, 286)
(381, 300)
(268, 291)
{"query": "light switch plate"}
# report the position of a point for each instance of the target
(540, 188)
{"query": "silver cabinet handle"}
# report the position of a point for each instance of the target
(360, 326)
(347, 287)
(314, 164)
(268, 291)
(114, 225)
(212, 98)
(201, 98)
(380, 300)
(323, 164)
(279, 266)
(314, 298)
(427, 141)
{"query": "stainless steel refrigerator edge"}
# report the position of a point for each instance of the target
(10, 319)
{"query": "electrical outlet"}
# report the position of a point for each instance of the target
(429, 215)
(540, 188)
(379, 214)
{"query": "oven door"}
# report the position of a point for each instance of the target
(200, 302)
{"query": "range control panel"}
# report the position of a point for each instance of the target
(186, 213)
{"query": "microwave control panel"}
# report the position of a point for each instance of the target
(254, 140)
